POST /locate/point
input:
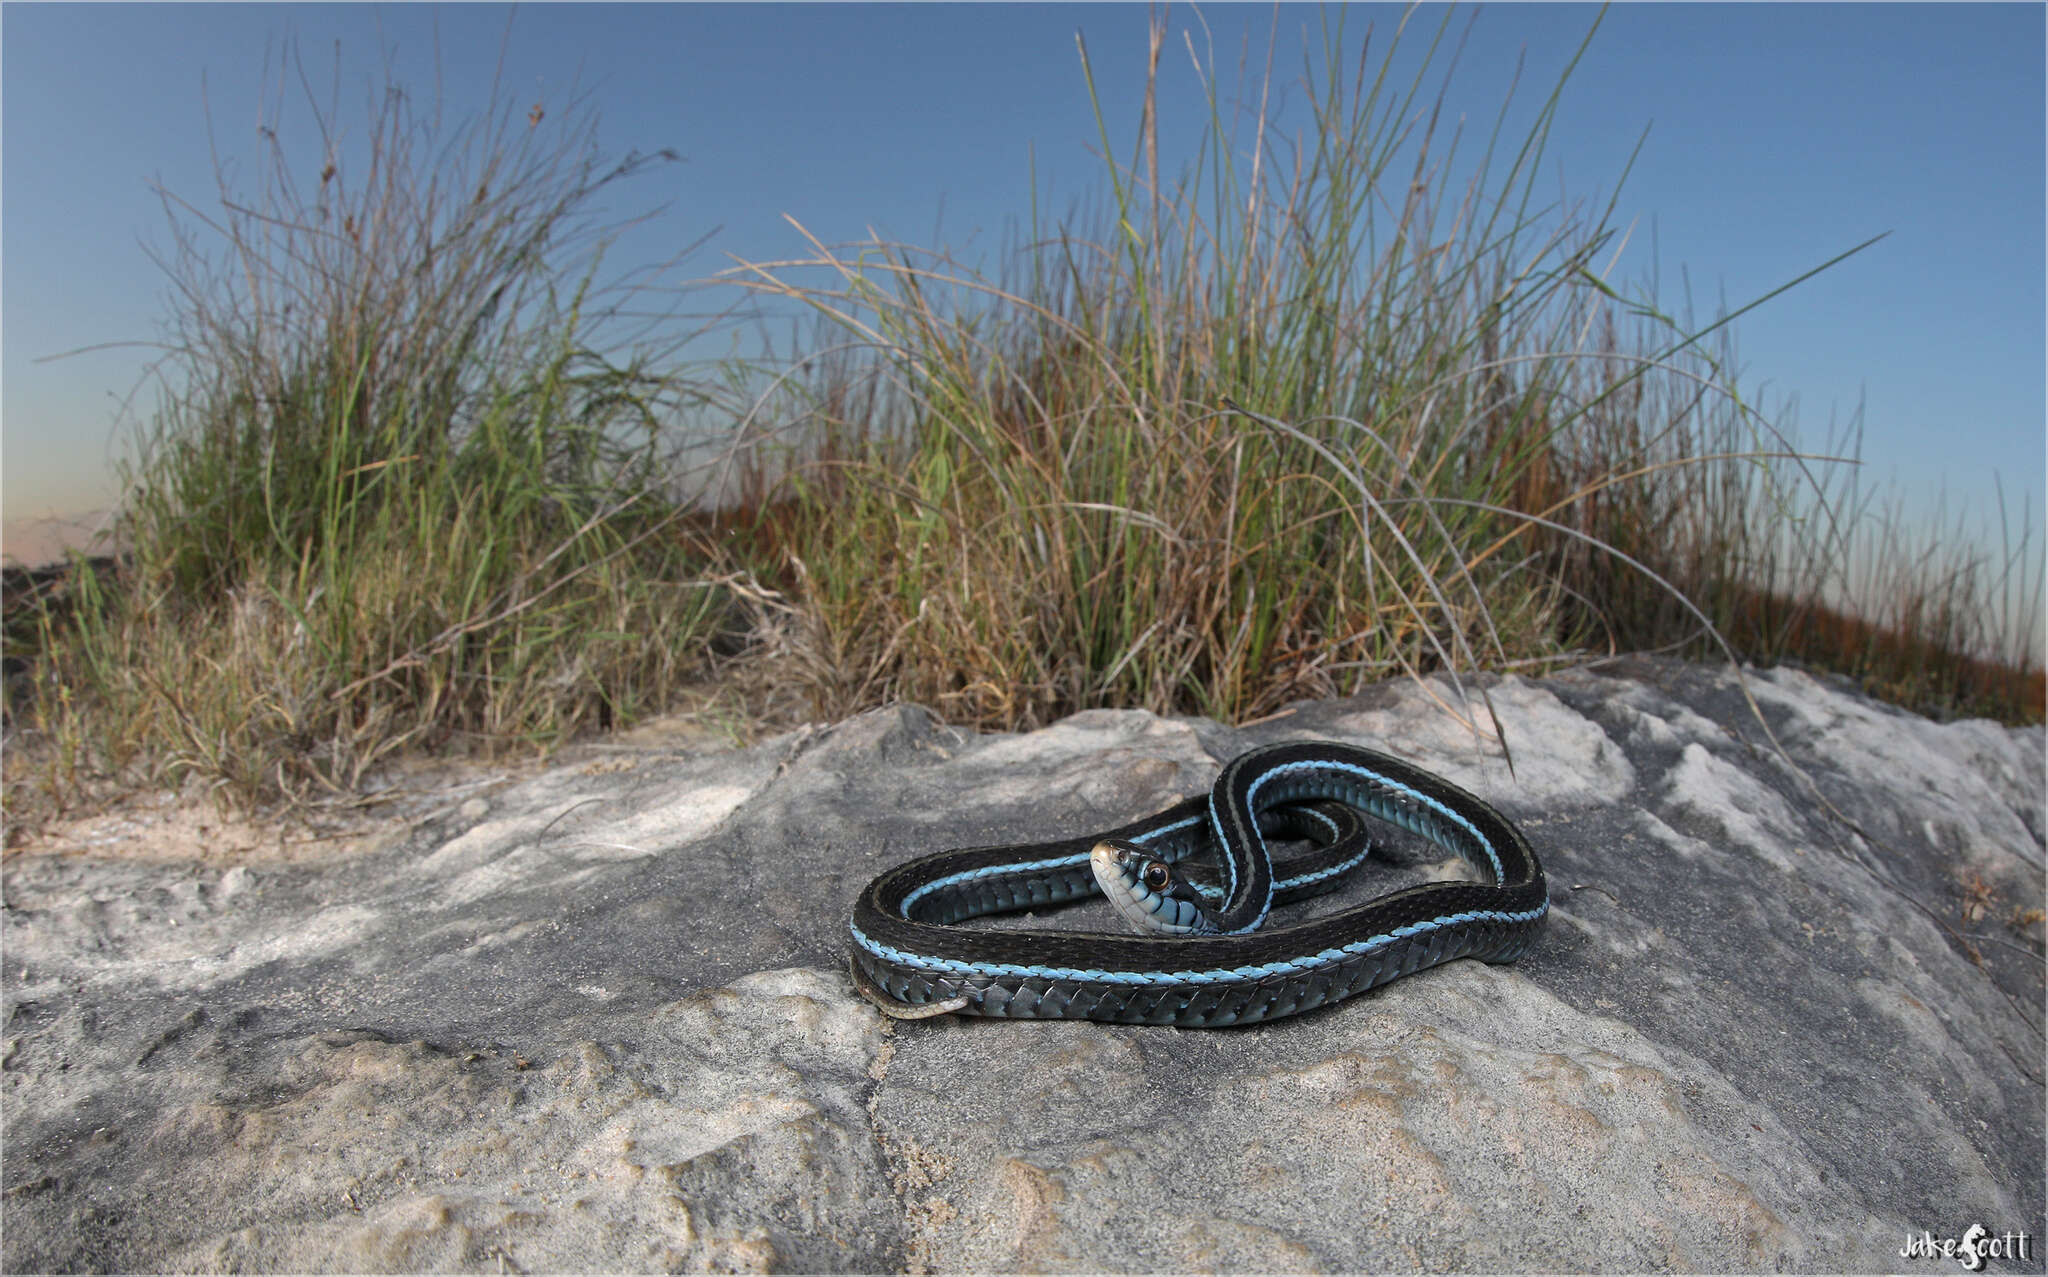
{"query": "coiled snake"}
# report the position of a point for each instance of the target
(1204, 957)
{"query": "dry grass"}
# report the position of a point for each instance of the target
(1313, 413)
(393, 495)
(1309, 418)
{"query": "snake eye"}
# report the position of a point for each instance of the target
(1157, 876)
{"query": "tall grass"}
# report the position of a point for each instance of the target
(394, 492)
(1310, 413)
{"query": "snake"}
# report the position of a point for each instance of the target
(1199, 881)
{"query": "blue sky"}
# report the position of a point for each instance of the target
(1779, 136)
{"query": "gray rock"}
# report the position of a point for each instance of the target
(600, 1019)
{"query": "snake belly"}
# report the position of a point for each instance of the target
(910, 958)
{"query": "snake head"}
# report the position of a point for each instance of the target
(1145, 890)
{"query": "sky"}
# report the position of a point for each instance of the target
(1778, 137)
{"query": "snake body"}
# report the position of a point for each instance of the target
(910, 957)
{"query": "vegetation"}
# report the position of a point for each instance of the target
(1306, 417)
(1283, 435)
(392, 493)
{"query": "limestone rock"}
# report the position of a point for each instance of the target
(600, 1020)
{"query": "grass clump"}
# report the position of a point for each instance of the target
(1315, 412)
(395, 491)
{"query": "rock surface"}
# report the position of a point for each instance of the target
(600, 1019)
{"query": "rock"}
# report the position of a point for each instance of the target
(602, 1020)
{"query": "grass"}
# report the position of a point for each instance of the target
(1313, 413)
(1283, 436)
(393, 494)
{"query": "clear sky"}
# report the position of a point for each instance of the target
(1780, 135)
